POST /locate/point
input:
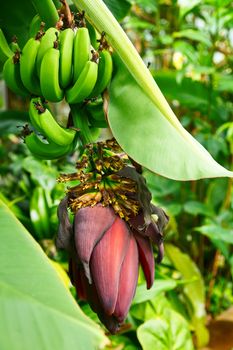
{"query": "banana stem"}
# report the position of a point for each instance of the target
(47, 11)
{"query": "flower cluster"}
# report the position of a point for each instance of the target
(112, 233)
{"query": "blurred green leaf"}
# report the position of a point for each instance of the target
(216, 232)
(41, 172)
(119, 8)
(198, 208)
(169, 331)
(193, 35)
(37, 311)
(195, 291)
(159, 286)
(11, 120)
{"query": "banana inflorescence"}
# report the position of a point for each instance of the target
(60, 62)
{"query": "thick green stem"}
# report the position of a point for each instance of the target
(47, 11)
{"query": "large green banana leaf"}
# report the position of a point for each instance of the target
(139, 115)
(36, 310)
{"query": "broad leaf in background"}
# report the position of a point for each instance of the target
(194, 291)
(142, 294)
(140, 114)
(119, 8)
(169, 332)
(37, 311)
(135, 120)
(217, 232)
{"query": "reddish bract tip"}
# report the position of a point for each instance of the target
(106, 262)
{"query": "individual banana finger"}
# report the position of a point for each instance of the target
(82, 51)
(34, 107)
(52, 130)
(84, 84)
(47, 42)
(35, 26)
(45, 150)
(49, 76)
(66, 40)
(11, 75)
(14, 44)
(28, 66)
(5, 50)
(104, 73)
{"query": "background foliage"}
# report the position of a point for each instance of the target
(188, 46)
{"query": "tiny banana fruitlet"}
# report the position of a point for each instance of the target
(82, 51)
(28, 66)
(51, 129)
(5, 51)
(11, 75)
(66, 41)
(84, 84)
(43, 150)
(104, 73)
(47, 42)
(49, 76)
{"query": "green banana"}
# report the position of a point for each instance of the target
(82, 50)
(28, 66)
(47, 42)
(5, 51)
(39, 213)
(11, 75)
(104, 73)
(44, 150)
(93, 35)
(53, 131)
(84, 84)
(35, 26)
(49, 76)
(66, 41)
(34, 105)
(96, 115)
(47, 11)
(80, 120)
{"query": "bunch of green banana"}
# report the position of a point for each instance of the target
(58, 63)
(55, 64)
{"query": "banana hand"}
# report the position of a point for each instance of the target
(52, 130)
(44, 150)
